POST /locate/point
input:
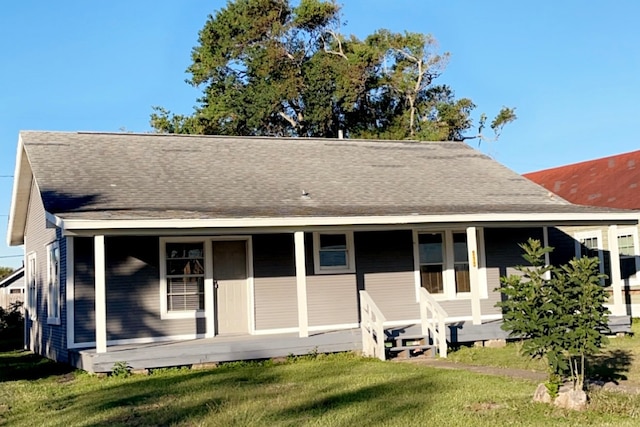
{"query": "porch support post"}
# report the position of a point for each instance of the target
(547, 256)
(472, 248)
(101, 294)
(301, 283)
(618, 308)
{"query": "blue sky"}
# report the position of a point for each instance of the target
(571, 68)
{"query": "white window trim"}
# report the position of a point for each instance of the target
(633, 231)
(32, 291)
(209, 290)
(53, 292)
(448, 275)
(187, 314)
(351, 257)
(590, 234)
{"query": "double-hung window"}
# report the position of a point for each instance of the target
(589, 244)
(443, 259)
(333, 253)
(629, 254)
(184, 277)
(53, 283)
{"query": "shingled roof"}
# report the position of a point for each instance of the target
(610, 181)
(124, 176)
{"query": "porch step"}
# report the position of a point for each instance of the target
(411, 345)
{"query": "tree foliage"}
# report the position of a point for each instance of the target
(269, 68)
(558, 310)
(5, 271)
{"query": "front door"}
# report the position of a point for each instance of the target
(230, 279)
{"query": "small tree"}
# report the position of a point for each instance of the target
(558, 311)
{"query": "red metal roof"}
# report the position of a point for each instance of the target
(610, 181)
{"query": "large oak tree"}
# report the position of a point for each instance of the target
(269, 68)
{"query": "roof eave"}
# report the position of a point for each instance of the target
(224, 223)
(22, 179)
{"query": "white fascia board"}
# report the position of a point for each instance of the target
(515, 218)
(22, 178)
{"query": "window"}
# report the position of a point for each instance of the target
(443, 259)
(53, 283)
(589, 244)
(333, 253)
(461, 262)
(629, 254)
(32, 286)
(431, 250)
(184, 273)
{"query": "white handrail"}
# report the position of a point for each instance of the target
(432, 317)
(372, 325)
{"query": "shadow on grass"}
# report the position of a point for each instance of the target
(24, 365)
(611, 365)
(192, 397)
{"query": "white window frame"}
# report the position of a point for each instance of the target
(632, 231)
(31, 282)
(351, 257)
(448, 273)
(183, 314)
(590, 234)
(53, 285)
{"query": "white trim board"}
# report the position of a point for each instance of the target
(477, 218)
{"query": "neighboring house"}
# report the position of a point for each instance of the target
(607, 182)
(162, 250)
(12, 289)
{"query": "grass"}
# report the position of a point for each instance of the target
(619, 360)
(334, 390)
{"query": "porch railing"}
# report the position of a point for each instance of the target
(372, 325)
(432, 317)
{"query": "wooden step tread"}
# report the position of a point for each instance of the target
(412, 347)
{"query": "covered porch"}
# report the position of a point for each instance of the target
(205, 351)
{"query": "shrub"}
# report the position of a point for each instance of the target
(558, 310)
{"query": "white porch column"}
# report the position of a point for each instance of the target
(101, 295)
(472, 248)
(618, 308)
(301, 283)
(547, 256)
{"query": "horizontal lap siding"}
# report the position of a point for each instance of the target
(332, 299)
(133, 292)
(457, 308)
(503, 254)
(43, 338)
(384, 262)
(84, 290)
(274, 283)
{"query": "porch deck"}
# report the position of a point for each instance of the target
(213, 350)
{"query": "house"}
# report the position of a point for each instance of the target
(12, 289)
(164, 250)
(606, 182)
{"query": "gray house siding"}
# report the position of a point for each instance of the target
(41, 337)
(275, 293)
(84, 290)
(502, 256)
(133, 292)
(384, 261)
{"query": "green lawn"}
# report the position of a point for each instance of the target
(338, 390)
(620, 359)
